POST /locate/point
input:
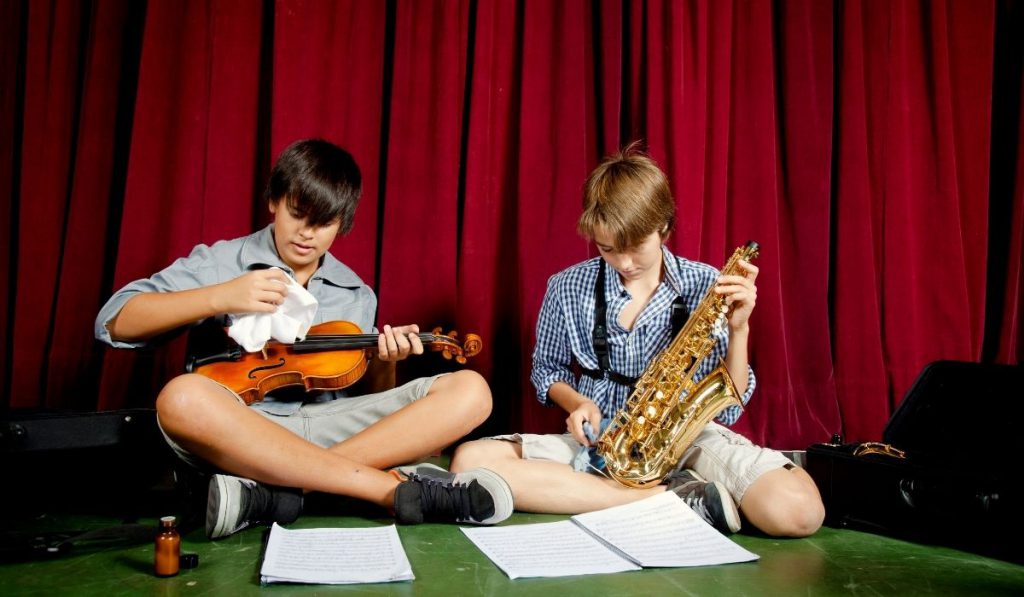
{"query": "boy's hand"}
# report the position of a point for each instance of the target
(586, 411)
(740, 294)
(394, 344)
(259, 291)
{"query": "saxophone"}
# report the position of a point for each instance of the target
(666, 411)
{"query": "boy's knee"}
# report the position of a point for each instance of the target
(784, 503)
(473, 392)
(180, 398)
(799, 515)
(473, 454)
(808, 515)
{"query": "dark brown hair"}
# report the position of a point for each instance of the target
(320, 181)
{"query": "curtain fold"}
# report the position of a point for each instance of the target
(556, 151)
(190, 167)
(12, 32)
(488, 286)
(48, 138)
(874, 151)
(326, 73)
(422, 204)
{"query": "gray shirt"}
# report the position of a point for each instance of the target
(341, 294)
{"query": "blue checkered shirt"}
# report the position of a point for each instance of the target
(566, 323)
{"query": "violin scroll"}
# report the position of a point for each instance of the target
(450, 347)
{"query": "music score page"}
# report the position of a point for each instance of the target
(660, 531)
(335, 556)
(546, 549)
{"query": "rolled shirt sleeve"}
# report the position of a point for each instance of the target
(552, 353)
(186, 273)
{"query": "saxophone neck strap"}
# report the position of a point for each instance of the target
(600, 332)
(612, 375)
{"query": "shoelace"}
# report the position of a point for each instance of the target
(256, 503)
(698, 505)
(443, 498)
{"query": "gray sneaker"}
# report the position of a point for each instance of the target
(234, 503)
(709, 500)
(431, 493)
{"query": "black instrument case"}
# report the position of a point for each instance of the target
(947, 470)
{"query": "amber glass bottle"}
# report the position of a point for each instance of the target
(167, 555)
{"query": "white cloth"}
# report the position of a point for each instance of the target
(289, 323)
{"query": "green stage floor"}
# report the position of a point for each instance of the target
(832, 562)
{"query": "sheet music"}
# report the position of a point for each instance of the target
(335, 556)
(662, 531)
(546, 549)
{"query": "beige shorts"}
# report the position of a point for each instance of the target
(718, 454)
(327, 423)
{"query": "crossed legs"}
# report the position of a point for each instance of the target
(208, 421)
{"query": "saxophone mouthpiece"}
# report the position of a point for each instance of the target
(752, 245)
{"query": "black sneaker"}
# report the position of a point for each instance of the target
(430, 493)
(234, 503)
(709, 500)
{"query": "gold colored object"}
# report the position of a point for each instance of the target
(879, 448)
(666, 411)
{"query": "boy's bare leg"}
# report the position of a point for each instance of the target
(454, 405)
(784, 503)
(210, 422)
(545, 486)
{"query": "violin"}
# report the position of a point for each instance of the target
(333, 356)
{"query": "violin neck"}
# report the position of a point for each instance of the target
(319, 343)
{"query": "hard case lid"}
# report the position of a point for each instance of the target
(958, 411)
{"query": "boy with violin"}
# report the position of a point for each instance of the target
(612, 315)
(267, 454)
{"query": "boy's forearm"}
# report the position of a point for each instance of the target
(736, 359)
(150, 314)
(565, 396)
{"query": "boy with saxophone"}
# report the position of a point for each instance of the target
(612, 315)
(266, 455)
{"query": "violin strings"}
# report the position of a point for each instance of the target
(354, 340)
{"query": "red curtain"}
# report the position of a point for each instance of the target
(874, 150)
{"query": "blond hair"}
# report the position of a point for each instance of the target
(627, 195)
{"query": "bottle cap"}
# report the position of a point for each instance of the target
(168, 521)
(188, 560)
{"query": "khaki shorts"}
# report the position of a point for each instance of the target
(327, 423)
(718, 454)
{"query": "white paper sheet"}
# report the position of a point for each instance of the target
(335, 556)
(660, 531)
(546, 549)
